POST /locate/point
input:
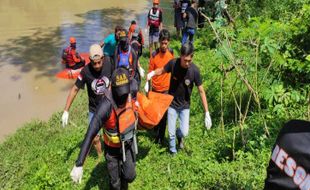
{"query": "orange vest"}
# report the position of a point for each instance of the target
(121, 121)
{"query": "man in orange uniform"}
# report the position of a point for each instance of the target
(160, 57)
(70, 56)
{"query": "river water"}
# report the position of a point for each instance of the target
(33, 33)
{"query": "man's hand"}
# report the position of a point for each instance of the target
(150, 75)
(146, 87)
(141, 72)
(76, 174)
(208, 122)
(64, 118)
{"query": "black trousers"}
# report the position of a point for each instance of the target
(120, 173)
(160, 129)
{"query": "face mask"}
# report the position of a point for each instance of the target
(119, 100)
(123, 45)
(73, 46)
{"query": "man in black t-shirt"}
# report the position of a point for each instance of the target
(289, 166)
(184, 74)
(96, 76)
(190, 23)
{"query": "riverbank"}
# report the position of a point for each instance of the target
(33, 34)
(253, 87)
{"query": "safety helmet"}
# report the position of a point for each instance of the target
(72, 40)
(155, 1)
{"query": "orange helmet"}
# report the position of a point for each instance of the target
(72, 40)
(155, 1)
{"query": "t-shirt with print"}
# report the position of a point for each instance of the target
(87, 75)
(181, 82)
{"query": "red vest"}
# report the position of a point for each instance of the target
(154, 17)
(69, 57)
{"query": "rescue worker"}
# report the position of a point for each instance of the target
(94, 75)
(126, 57)
(71, 57)
(184, 74)
(154, 22)
(110, 42)
(113, 106)
(289, 166)
(221, 13)
(178, 21)
(190, 23)
(135, 37)
(160, 84)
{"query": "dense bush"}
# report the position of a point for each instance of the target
(256, 75)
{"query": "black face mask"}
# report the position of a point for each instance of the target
(124, 45)
(73, 46)
(119, 100)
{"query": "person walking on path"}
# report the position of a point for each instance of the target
(96, 76)
(154, 22)
(160, 57)
(190, 23)
(184, 74)
(178, 21)
(116, 115)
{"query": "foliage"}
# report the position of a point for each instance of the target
(256, 76)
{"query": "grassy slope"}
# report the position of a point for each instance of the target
(41, 155)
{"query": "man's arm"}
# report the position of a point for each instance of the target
(101, 115)
(203, 98)
(73, 92)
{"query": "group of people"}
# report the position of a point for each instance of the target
(191, 14)
(113, 79)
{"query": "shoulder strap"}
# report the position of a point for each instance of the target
(171, 51)
(155, 52)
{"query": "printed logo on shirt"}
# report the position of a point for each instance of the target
(289, 166)
(187, 82)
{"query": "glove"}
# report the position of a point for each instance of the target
(76, 174)
(141, 72)
(150, 75)
(208, 122)
(146, 86)
(64, 118)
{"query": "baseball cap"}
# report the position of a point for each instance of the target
(95, 52)
(123, 35)
(120, 82)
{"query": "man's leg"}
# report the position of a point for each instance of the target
(160, 136)
(184, 36)
(113, 167)
(96, 140)
(191, 33)
(128, 168)
(184, 126)
(172, 118)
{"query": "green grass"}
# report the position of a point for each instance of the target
(41, 155)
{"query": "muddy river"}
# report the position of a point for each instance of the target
(32, 35)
